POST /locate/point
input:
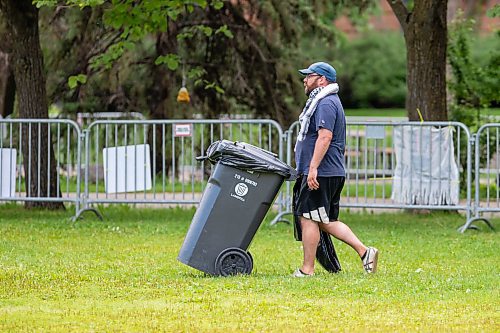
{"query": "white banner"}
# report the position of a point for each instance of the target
(8, 172)
(127, 169)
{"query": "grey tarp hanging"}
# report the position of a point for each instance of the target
(426, 172)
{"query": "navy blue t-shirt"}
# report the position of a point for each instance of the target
(330, 115)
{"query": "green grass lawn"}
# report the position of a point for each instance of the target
(158, 185)
(381, 188)
(375, 112)
(121, 275)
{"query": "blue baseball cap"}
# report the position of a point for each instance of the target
(321, 68)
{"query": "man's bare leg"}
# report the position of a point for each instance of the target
(310, 240)
(342, 232)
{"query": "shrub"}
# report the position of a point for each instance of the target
(474, 80)
(373, 71)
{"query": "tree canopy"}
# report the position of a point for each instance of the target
(235, 56)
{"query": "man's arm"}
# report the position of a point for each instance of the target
(320, 148)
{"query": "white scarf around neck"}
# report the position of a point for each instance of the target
(312, 102)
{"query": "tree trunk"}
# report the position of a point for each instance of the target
(22, 30)
(159, 95)
(7, 86)
(425, 31)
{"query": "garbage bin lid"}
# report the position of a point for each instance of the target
(245, 156)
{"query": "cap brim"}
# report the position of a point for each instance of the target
(305, 71)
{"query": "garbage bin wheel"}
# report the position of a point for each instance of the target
(233, 261)
(251, 258)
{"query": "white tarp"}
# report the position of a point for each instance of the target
(426, 172)
(8, 172)
(127, 169)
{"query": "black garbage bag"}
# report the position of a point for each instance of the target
(325, 254)
(247, 157)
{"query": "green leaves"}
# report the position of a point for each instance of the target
(225, 30)
(79, 3)
(474, 83)
(47, 3)
(217, 4)
(171, 60)
(494, 12)
(114, 52)
(213, 85)
(74, 80)
(207, 31)
(196, 72)
(137, 20)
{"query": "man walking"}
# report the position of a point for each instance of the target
(319, 157)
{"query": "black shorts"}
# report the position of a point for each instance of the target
(321, 205)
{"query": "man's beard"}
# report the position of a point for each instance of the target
(309, 88)
(308, 91)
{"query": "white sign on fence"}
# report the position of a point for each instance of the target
(127, 169)
(375, 131)
(7, 172)
(182, 130)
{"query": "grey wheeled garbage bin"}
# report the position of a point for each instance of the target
(239, 193)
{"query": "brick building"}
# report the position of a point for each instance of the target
(387, 21)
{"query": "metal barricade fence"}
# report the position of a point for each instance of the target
(403, 165)
(154, 162)
(388, 164)
(486, 174)
(84, 119)
(40, 151)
